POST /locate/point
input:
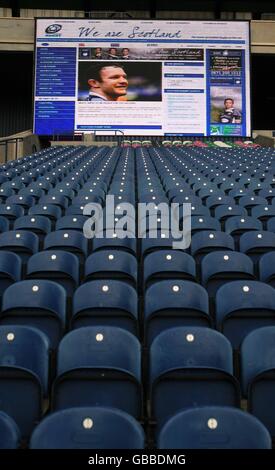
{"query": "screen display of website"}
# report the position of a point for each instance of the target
(142, 77)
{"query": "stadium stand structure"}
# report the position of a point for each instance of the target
(126, 342)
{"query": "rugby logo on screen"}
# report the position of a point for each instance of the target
(53, 28)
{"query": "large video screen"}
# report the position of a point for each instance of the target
(142, 77)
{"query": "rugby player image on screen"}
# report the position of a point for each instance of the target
(230, 115)
(116, 81)
(98, 53)
(226, 105)
(107, 82)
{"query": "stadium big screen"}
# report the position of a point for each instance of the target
(142, 77)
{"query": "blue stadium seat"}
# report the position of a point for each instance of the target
(267, 268)
(50, 176)
(96, 193)
(57, 199)
(105, 371)
(24, 363)
(68, 240)
(71, 222)
(238, 192)
(74, 209)
(200, 222)
(206, 193)
(58, 266)
(190, 367)
(270, 226)
(145, 225)
(249, 202)
(3, 178)
(199, 185)
(64, 191)
(268, 194)
(49, 210)
(5, 193)
(186, 198)
(147, 198)
(36, 193)
(40, 184)
(21, 242)
(105, 302)
(258, 377)
(115, 243)
(217, 200)
(263, 213)
(4, 224)
(25, 177)
(82, 200)
(105, 264)
(88, 428)
(10, 270)
(243, 306)
(224, 212)
(238, 225)
(214, 427)
(172, 303)
(257, 186)
(207, 241)
(24, 201)
(40, 225)
(256, 243)
(220, 267)
(199, 209)
(9, 432)
(11, 212)
(163, 241)
(36, 303)
(168, 264)
(15, 185)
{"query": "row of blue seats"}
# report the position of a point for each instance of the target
(53, 180)
(240, 307)
(63, 194)
(228, 162)
(254, 243)
(216, 267)
(108, 428)
(45, 219)
(101, 366)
